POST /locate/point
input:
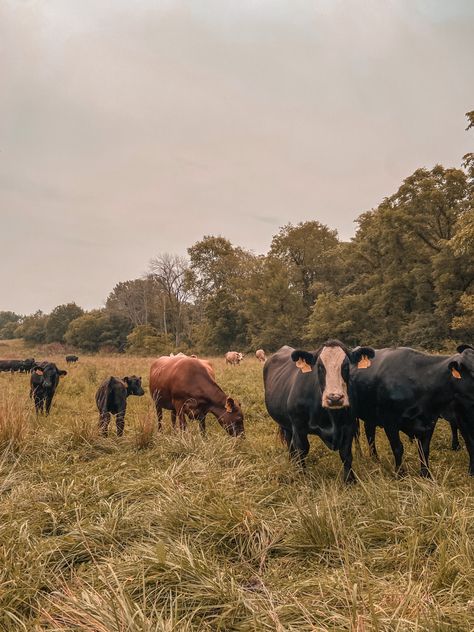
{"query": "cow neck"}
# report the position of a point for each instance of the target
(217, 401)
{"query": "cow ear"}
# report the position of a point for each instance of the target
(454, 367)
(462, 348)
(37, 369)
(303, 360)
(62, 372)
(229, 405)
(362, 356)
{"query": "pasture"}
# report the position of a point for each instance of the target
(173, 532)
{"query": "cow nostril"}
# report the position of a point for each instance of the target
(335, 397)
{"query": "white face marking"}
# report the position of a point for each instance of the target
(335, 391)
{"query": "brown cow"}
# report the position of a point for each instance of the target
(260, 355)
(187, 386)
(233, 357)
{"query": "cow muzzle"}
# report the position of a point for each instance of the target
(334, 401)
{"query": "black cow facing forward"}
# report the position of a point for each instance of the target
(43, 384)
(315, 397)
(407, 391)
(71, 359)
(111, 398)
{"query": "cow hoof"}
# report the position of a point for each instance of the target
(350, 479)
(401, 473)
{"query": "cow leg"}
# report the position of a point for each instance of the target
(423, 444)
(393, 436)
(300, 447)
(120, 422)
(49, 401)
(370, 436)
(455, 445)
(179, 412)
(469, 441)
(345, 452)
(104, 420)
(202, 424)
(159, 415)
(173, 418)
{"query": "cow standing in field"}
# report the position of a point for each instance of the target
(407, 391)
(311, 393)
(187, 386)
(111, 399)
(233, 357)
(71, 359)
(260, 355)
(10, 365)
(43, 384)
(27, 365)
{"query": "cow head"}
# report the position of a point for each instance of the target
(233, 418)
(49, 373)
(333, 361)
(462, 374)
(134, 385)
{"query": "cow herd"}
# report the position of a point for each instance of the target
(326, 393)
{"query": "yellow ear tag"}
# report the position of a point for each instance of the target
(228, 408)
(456, 373)
(303, 366)
(39, 371)
(364, 363)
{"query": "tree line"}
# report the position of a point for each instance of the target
(405, 278)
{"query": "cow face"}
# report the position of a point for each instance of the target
(332, 362)
(134, 385)
(50, 375)
(462, 375)
(233, 419)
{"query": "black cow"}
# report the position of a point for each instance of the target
(318, 401)
(27, 365)
(407, 390)
(111, 398)
(43, 384)
(10, 365)
(70, 359)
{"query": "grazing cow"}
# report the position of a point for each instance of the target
(311, 393)
(233, 357)
(43, 384)
(111, 399)
(70, 359)
(260, 355)
(187, 386)
(407, 390)
(10, 365)
(27, 365)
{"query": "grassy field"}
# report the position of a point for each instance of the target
(172, 532)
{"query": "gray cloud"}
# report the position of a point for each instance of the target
(127, 129)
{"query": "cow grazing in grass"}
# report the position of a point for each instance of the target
(111, 399)
(187, 387)
(407, 391)
(260, 355)
(233, 357)
(43, 384)
(311, 393)
(71, 359)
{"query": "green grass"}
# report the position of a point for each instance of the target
(172, 532)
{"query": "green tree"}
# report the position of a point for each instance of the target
(33, 328)
(8, 324)
(147, 340)
(98, 329)
(59, 320)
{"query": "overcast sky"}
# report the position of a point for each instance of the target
(134, 127)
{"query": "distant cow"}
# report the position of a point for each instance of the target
(187, 386)
(260, 355)
(43, 384)
(70, 359)
(10, 365)
(311, 393)
(233, 357)
(407, 391)
(111, 399)
(27, 365)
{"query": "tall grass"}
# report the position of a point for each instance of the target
(174, 532)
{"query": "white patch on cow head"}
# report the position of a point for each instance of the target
(335, 393)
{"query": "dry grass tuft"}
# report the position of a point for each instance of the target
(174, 532)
